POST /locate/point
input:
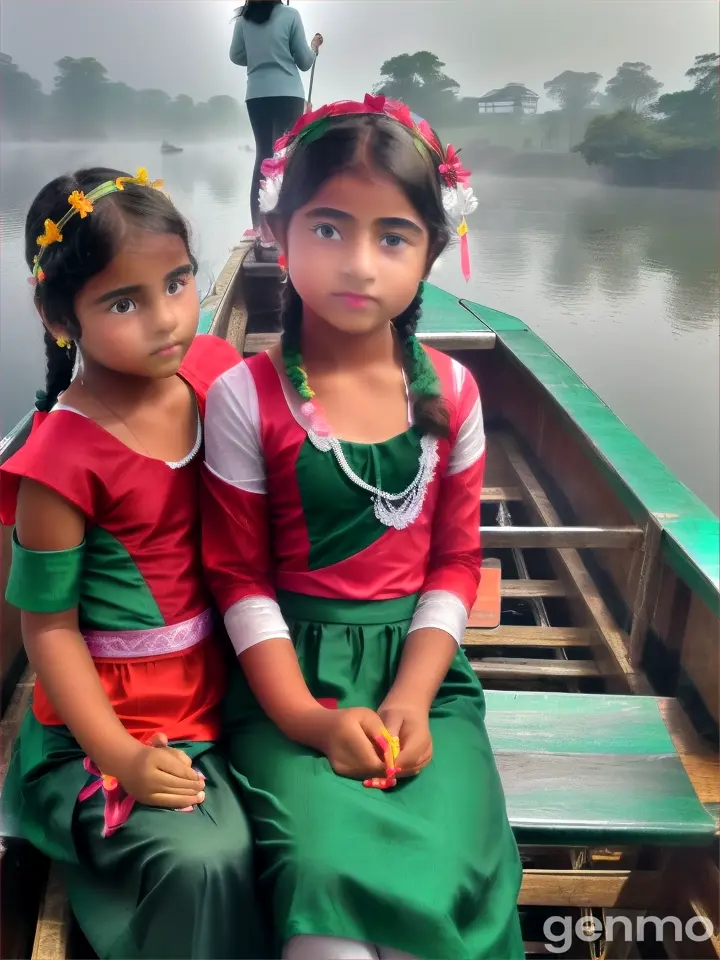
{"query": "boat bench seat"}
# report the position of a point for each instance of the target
(595, 770)
(578, 769)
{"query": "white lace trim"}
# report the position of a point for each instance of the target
(172, 464)
(397, 510)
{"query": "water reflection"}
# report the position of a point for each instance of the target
(623, 283)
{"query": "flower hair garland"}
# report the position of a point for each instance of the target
(458, 198)
(81, 205)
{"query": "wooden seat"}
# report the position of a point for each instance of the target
(592, 770)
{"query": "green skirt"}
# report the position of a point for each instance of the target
(164, 885)
(429, 867)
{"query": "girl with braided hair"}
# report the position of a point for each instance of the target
(341, 509)
(116, 773)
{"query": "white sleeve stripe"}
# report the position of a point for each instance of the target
(470, 442)
(233, 450)
(458, 371)
(253, 620)
(441, 610)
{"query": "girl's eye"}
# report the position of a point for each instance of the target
(393, 240)
(126, 305)
(175, 286)
(327, 231)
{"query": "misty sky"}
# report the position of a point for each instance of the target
(181, 46)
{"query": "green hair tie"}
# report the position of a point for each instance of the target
(424, 382)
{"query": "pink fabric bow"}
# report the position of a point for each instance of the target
(118, 804)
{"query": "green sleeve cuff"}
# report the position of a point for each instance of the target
(45, 581)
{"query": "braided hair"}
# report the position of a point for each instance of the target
(362, 141)
(87, 247)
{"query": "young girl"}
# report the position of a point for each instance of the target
(115, 772)
(341, 514)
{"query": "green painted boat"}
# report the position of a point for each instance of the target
(602, 673)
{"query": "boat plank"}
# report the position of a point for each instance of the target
(53, 925)
(508, 636)
(616, 641)
(557, 537)
(522, 589)
(500, 494)
(522, 668)
(629, 889)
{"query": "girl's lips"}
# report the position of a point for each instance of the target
(167, 351)
(354, 300)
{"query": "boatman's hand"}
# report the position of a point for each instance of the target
(316, 42)
(411, 725)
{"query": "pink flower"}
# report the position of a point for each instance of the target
(271, 167)
(376, 104)
(452, 170)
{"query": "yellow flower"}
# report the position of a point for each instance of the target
(51, 235)
(80, 203)
(141, 178)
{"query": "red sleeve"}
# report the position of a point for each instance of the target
(59, 453)
(455, 555)
(207, 359)
(235, 510)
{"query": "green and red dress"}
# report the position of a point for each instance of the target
(345, 548)
(143, 882)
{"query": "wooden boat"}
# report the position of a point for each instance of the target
(600, 664)
(170, 148)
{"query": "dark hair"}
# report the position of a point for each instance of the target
(257, 11)
(373, 141)
(87, 247)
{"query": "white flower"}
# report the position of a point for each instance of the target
(467, 200)
(269, 194)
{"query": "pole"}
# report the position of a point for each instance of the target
(308, 108)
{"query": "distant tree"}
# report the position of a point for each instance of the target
(575, 94)
(225, 115)
(22, 102)
(120, 109)
(693, 113)
(153, 111)
(632, 86)
(551, 123)
(418, 80)
(78, 99)
(182, 115)
(706, 73)
(680, 146)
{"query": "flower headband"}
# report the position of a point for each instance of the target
(458, 198)
(82, 205)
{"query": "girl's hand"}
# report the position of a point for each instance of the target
(316, 42)
(346, 739)
(161, 776)
(412, 725)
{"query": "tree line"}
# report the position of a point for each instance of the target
(85, 104)
(675, 139)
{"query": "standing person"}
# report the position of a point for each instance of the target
(341, 515)
(116, 773)
(269, 40)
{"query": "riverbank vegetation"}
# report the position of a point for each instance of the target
(674, 141)
(625, 133)
(86, 105)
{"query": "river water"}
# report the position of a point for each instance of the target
(623, 283)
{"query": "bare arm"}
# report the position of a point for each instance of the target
(238, 51)
(274, 675)
(54, 644)
(425, 661)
